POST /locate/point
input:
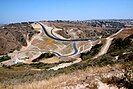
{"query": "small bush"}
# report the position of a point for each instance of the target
(4, 58)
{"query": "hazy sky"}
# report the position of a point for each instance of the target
(34, 10)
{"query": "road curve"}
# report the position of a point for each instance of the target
(55, 38)
(73, 44)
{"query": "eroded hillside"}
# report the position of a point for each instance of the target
(14, 36)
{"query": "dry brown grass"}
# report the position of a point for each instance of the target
(81, 77)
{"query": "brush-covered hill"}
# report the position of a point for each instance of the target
(14, 36)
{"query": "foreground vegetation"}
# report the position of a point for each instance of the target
(18, 75)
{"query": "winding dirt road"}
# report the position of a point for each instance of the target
(106, 46)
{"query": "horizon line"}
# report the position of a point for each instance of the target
(65, 20)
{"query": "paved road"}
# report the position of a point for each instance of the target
(59, 39)
(55, 38)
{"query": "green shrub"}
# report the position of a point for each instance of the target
(44, 55)
(119, 45)
(4, 58)
(104, 60)
(42, 65)
(94, 50)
